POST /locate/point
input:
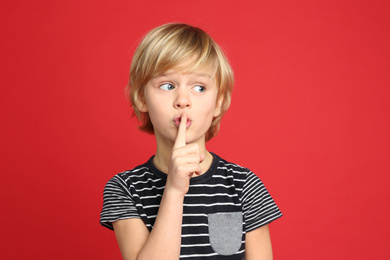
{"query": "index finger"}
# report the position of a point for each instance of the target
(181, 132)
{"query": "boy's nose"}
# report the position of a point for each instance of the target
(182, 100)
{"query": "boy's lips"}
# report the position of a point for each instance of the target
(177, 121)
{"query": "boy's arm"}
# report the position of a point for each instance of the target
(131, 235)
(164, 241)
(258, 244)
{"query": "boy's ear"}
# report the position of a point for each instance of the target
(141, 105)
(217, 110)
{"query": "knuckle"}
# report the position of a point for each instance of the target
(196, 146)
(181, 168)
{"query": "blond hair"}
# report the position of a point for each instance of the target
(168, 46)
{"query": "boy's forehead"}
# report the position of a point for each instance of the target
(205, 70)
(193, 64)
(197, 73)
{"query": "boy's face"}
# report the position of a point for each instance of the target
(174, 92)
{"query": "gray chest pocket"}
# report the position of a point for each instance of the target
(225, 231)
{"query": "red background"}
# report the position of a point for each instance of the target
(310, 115)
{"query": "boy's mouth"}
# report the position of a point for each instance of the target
(177, 121)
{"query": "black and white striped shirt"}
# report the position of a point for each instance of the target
(221, 206)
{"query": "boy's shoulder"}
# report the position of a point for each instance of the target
(233, 168)
(139, 172)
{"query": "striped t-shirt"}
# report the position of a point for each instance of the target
(221, 206)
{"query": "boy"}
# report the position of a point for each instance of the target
(185, 202)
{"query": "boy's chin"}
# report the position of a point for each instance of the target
(195, 139)
(170, 137)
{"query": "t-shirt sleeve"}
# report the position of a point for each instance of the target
(258, 206)
(117, 203)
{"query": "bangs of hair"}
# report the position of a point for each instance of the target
(175, 46)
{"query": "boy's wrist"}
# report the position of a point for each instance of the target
(174, 194)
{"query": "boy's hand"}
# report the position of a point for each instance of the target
(185, 160)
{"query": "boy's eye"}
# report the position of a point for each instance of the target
(167, 86)
(199, 88)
